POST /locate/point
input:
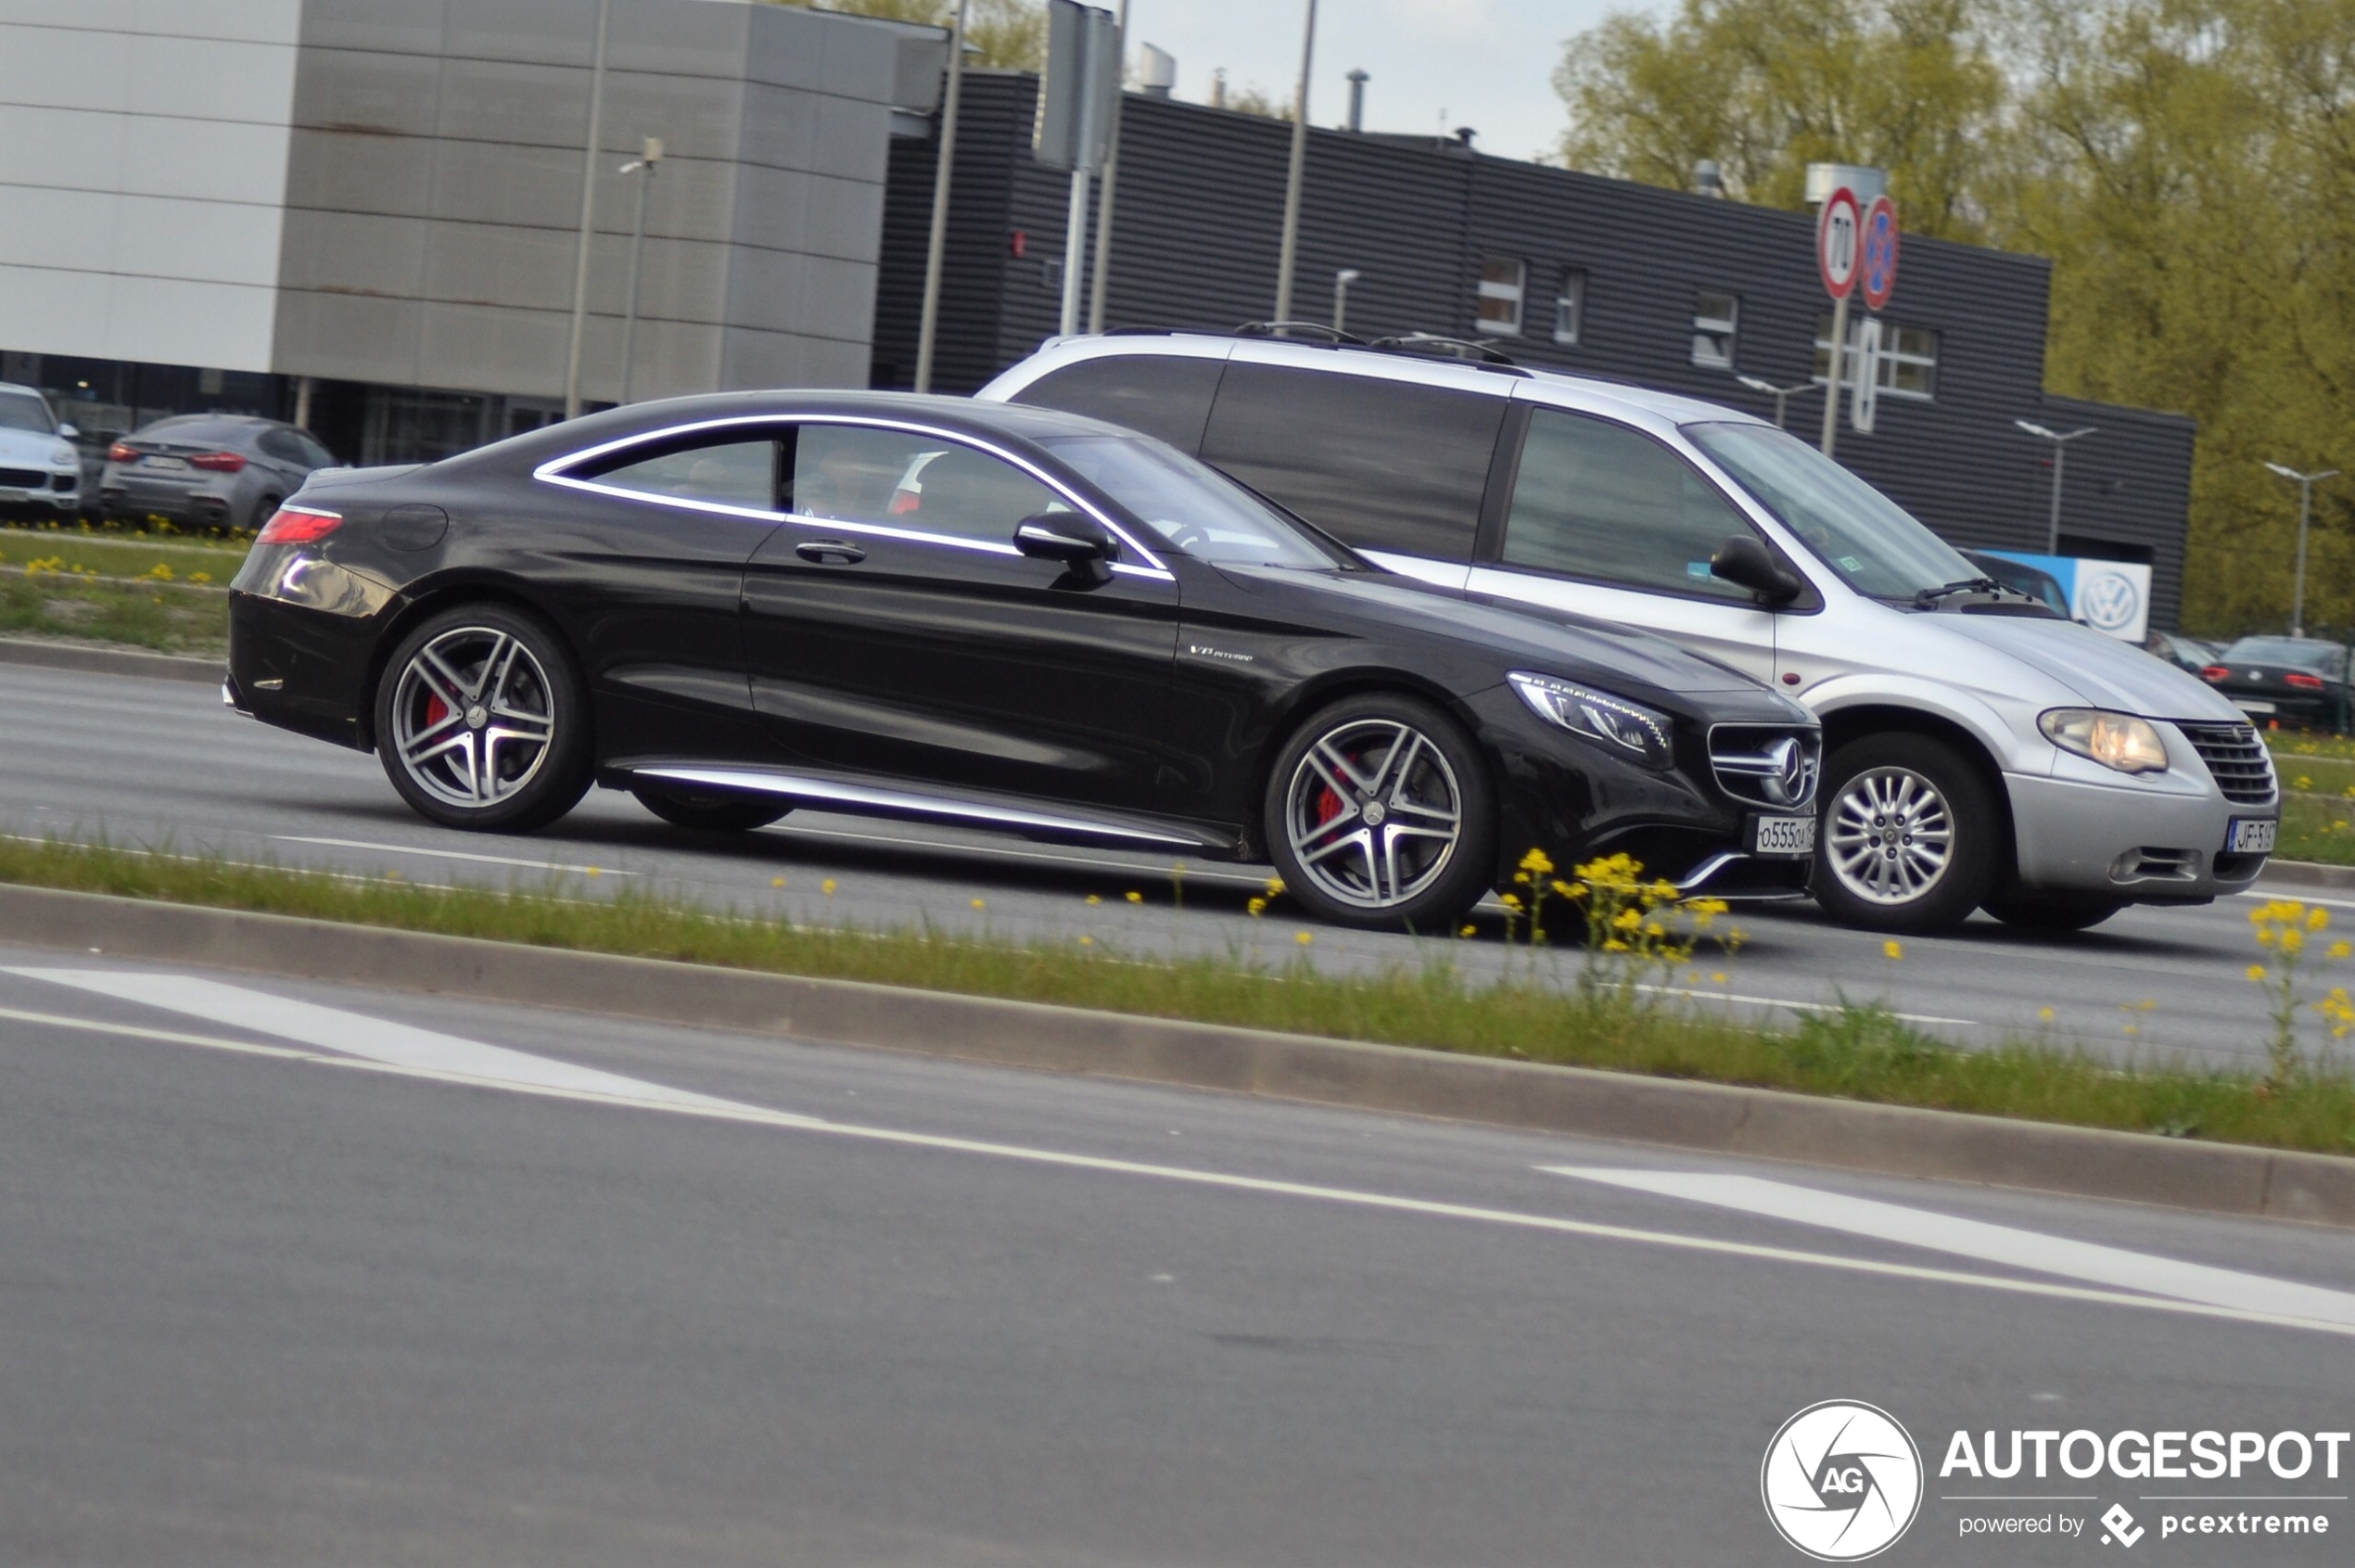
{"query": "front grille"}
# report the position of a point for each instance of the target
(2236, 758)
(23, 479)
(1766, 765)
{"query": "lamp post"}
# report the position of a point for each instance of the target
(2306, 483)
(588, 212)
(1290, 254)
(936, 243)
(2060, 448)
(1342, 280)
(1097, 284)
(643, 167)
(1780, 394)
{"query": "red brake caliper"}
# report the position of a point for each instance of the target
(436, 709)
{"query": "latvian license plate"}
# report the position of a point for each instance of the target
(2249, 836)
(1789, 835)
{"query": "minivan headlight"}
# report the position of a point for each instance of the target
(2114, 740)
(1616, 723)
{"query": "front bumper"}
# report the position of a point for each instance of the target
(2138, 845)
(46, 499)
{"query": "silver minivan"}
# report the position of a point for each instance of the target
(1981, 752)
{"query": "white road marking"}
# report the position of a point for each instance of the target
(448, 855)
(2113, 1268)
(354, 1034)
(2301, 895)
(570, 1083)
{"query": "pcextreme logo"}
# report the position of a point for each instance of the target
(1841, 1481)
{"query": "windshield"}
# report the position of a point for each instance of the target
(1191, 505)
(2308, 653)
(1876, 545)
(20, 411)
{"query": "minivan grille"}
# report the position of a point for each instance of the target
(1767, 765)
(2236, 757)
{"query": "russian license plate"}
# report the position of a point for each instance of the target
(1782, 835)
(179, 465)
(2251, 705)
(2250, 835)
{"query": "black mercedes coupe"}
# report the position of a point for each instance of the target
(996, 616)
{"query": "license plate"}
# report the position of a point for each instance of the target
(166, 464)
(2248, 705)
(2250, 835)
(1782, 835)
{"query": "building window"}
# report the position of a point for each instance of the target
(1908, 358)
(1501, 282)
(1715, 317)
(1570, 306)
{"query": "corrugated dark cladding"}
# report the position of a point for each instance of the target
(1195, 240)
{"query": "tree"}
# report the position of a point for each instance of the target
(1009, 34)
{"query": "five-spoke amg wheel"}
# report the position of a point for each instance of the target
(1378, 815)
(481, 721)
(1909, 840)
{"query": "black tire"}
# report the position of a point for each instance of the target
(709, 811)
(1423, 850)
(1909, 841)
(2032, 911)
(266, 508)
(463, 754)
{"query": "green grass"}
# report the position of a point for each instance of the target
(1541, 1012)
(158, 591)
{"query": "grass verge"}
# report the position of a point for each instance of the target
(158, 591)
(1544, 1010)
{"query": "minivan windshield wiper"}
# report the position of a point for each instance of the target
(1929, 596)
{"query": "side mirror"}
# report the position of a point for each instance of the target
(1743, 561)
(68, 433)
(1070, 538)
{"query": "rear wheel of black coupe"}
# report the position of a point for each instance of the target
(1910, 838)
(2031, 911)
(708, 810)
(482, 723)
(1380, 816)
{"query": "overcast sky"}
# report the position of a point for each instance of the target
(1485, 63)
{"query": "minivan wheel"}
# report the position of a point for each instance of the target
(709, 811)
(1909, 839)
(482, 723)
(1380, 816)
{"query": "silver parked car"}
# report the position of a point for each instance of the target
(209, 470)
(40, 470)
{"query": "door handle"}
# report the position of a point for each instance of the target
(824, 549)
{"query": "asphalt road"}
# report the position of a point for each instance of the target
(294, 1273)
(158, 764)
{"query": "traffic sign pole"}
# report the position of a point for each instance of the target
(1832, 388)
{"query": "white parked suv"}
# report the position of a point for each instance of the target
(40, 470)
(1981, 752)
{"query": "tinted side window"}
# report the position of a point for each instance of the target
(1597, 499)
(280, 444)
(1380, 465)
(917, 482)
(734, 472)
(1156, 394)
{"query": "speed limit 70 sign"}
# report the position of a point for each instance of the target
(1838, 242)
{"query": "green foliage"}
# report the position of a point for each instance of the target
(1009, 34)
(2189, 166)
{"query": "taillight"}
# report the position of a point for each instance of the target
(2215, 672)
(218, 461)
(2304, 683)
(297, 525)
(122, 453)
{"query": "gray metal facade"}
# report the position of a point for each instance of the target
(1195, 240)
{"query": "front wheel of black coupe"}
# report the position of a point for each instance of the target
(482, 723)
(1380, 816)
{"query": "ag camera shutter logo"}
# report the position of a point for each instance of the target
(1841, 1481)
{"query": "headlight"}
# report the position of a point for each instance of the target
(2114, 740)
(63, 453)
(1615, 722)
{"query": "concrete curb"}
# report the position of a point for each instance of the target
(2305, 874)
(2220, 1178)
(111, 661)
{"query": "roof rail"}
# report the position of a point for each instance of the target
(1310, 328)
(1433, 343)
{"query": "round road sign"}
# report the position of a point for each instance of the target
(1837, 238)
(1879, 262)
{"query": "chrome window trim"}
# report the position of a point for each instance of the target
(555, 471)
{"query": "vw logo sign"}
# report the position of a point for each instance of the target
(1841, 1481)
(2109, 603)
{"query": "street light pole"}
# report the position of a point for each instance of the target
(1780, 394)
(2060, 448)
(643, 167)
(1342, 280)
(1096, 282)
(1290, 254)
(928, 325)
(2306, 483)
(588, 211)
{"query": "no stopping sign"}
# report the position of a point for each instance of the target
(1877, 262)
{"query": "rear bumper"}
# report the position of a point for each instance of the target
(2124, 843)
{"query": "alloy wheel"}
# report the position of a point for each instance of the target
(1891, 836)
(473, 716)
(1373, 813)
